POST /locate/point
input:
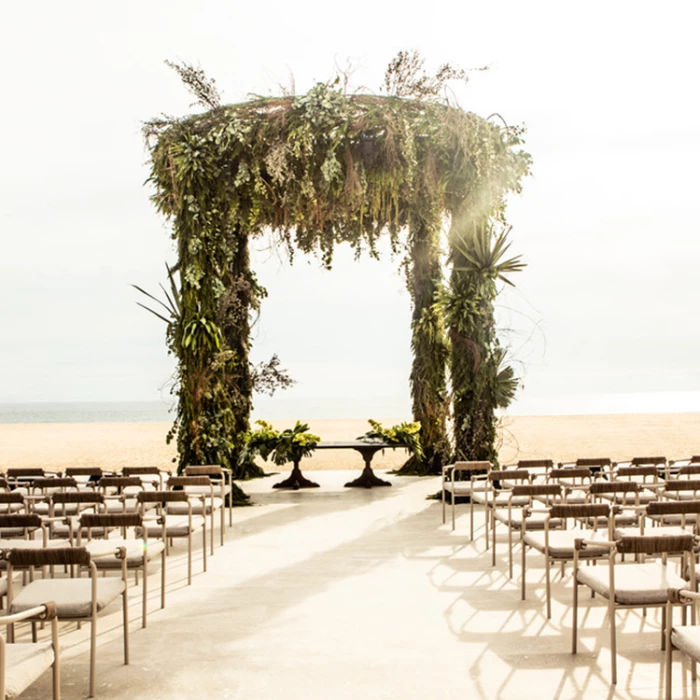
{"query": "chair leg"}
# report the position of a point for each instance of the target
(574, 620)
(93, 651)
(211, 534)
(471, 517)
(510, 551)
(613, 640)
(56, 667)
(487, 516)
(663, 628)
(548, 586)
(189, 558)
(668, 656)
(125, 612)
(522, 570)
(204, 545)
(144, 593)
(223, 525)
(162, 579)
(493, 540)
(442, 498)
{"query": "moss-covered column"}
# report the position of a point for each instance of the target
(471, 329)
(430, 352)
(242, 295)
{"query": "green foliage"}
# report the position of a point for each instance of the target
(317, 169)
(281, 447)
(406, 434)
(481, 381)
(484, 254)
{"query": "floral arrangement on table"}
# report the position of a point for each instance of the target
(280, 446)
(404, 434)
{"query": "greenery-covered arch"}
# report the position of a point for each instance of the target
(318, 169)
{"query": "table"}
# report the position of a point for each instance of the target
(368, 478)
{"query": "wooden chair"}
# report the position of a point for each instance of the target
(207, 501)
(575, 481)
(176, 526)
(519, 515)
(76, 599)
(632, 585)
(139, 549)
(120, 492)
(685, 638)
(465, 488)
(557, 545)
(223, 482)
(148, 474)
(86, 477)
(22, 664)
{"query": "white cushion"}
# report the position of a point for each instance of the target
(663, 531)
(561, 543)
(182, 508)
(175, 526)
(72, 595)
(24, 663)
(134, 552)
(533, 522)
(459, 488)
(635, 584)
(11, 507)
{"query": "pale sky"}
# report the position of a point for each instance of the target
(606, 90)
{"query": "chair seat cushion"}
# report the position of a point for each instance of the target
(182, 508)
(675, 518)
(135, 551)
(635, 584)
(561, 543)
(11, 507)
(43, 508)
(24, 663)
(464, 488)
(502, 499)
(129, 505)
(534, 522)
(71, 595)
(175, 526)
(663, 531)
(687, 639)
(627, 498)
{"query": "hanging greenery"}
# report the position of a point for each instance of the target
(317, 169)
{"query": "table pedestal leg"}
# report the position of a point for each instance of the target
(296, 480)
(368, 478)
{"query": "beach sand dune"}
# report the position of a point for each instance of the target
(56, 446)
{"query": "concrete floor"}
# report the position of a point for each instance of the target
(336, 593)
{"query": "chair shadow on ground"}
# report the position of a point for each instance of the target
(486, 591)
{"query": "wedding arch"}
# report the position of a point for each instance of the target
(317, 170)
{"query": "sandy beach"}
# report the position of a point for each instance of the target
(56, 446)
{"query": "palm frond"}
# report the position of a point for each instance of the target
(155, 313)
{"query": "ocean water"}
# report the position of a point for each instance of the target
(282, 408)
(86, 412)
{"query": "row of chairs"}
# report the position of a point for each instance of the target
(466, 479)
(609, 510)
(109, 523)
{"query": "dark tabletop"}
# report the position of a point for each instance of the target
(353, 444)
